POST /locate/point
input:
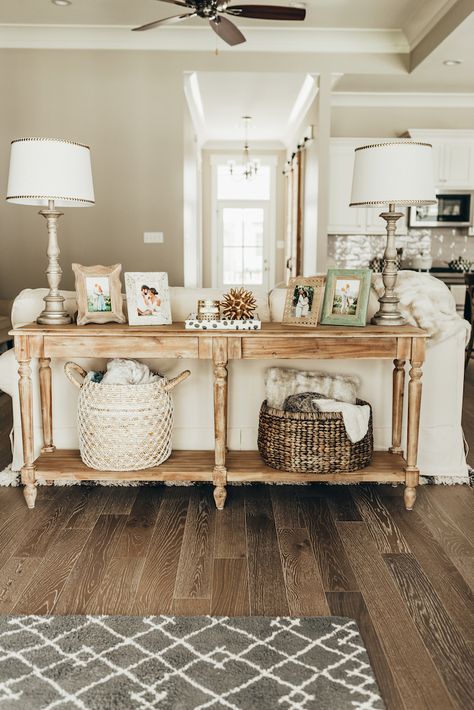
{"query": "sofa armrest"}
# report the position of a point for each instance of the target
(8, 373)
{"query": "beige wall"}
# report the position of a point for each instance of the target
(128, 106)
(381, 122)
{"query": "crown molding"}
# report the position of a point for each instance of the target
(441, 133)
(262, 39)
(405, 99)
(417, 27)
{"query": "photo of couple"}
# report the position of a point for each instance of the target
(346, 296)
(98, 295)
(148, 301)
(302, 301)
(148, 298)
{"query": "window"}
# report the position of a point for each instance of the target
(242, 245)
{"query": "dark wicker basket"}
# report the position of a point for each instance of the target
(311, 442)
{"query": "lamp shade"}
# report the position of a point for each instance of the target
(397, 172)
(43, 169)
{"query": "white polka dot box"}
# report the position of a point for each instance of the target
(193, 323)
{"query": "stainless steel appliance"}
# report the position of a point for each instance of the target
(451, 210)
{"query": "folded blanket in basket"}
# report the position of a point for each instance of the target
(355, 416)
(124, 372)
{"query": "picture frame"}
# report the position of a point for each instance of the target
(303, 300)
(346, 297)
(99, 294)
(148, 298)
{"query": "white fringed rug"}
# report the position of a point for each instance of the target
(12, 478)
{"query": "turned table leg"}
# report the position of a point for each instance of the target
(26, 411)
(45, 381)
(220, 359)
(412, 473)
(397, 405)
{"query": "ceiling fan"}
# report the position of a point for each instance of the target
(213, 10)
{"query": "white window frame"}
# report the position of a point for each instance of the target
(272, 162)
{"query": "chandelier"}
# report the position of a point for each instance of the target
(247, 168)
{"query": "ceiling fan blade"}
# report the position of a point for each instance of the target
(177, 2)
(227, 31)
(166, 21)
(267, 12)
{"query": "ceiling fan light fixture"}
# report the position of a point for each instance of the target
(61, 3)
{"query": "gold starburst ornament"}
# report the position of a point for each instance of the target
(238, 304)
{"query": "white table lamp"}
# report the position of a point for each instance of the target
(51, 173)
(392, 173)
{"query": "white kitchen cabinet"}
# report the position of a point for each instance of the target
(456, 166)
(342, 218)
(453, 157)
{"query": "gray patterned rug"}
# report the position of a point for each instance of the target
(179, 663)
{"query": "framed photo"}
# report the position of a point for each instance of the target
(346, 297)
(148, 298)
(303, 300)
(99, 294)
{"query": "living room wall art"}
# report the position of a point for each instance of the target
(99, 294)
(148, 298)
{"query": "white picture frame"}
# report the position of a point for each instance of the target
(148, 298)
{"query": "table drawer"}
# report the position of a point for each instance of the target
(324, 348)
(117, 346)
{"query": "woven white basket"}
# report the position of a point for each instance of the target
(123, 427)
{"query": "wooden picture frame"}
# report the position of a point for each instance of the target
(99, 294)
(303, 300)
(346, 297)
(148, 298)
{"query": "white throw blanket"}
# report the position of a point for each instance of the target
(355, 416)
(128, 372)
(427, 303)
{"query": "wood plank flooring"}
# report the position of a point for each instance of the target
(406, 577)
(273, 551)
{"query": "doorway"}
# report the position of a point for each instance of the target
(243, 225)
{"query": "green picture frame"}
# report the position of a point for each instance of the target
(346, 297)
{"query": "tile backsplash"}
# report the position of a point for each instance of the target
(355, 251)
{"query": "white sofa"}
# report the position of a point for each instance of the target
(441, 450)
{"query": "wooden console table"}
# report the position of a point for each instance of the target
(401, 344)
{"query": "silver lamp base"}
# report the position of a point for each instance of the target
(49, 317)
(54, 312)
(388, 313)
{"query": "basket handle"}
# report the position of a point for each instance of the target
(171, 384)
(72, 367)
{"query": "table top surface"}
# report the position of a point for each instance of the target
(178, 330)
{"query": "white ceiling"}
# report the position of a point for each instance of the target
(268, 98)
(388, 14)
(431, 75)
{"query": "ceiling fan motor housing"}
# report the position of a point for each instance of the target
(213, 11)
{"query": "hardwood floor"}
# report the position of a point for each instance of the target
(353, 551)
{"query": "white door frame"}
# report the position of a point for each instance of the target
(218, 159)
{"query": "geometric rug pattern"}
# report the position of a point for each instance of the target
(184, 663)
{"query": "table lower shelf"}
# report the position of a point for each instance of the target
(242, 466)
